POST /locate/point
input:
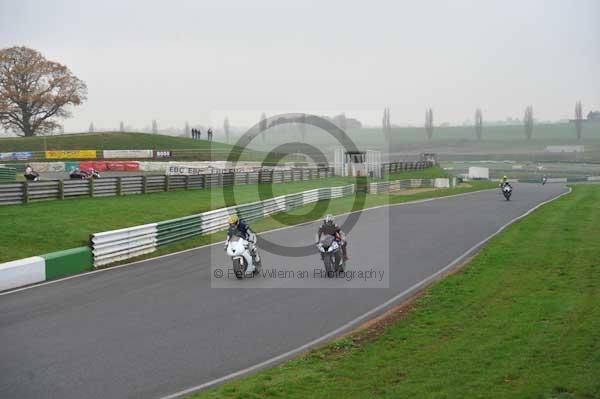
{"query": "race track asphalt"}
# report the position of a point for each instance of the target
(157, 327)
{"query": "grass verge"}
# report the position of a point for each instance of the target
(521, 320)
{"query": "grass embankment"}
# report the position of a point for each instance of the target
(36, 228)
(196, 149)
(106, 141)
(521, 320)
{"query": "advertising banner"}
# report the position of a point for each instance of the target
(73, 154)
(184, 170)
(129, 154)
(162, 154)
(122, 166)
(16, 156)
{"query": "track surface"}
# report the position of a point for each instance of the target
(155, 328)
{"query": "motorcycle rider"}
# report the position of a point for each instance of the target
(239, 227)
(504, 182)
(328, 227)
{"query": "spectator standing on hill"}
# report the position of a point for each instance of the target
(209, 133)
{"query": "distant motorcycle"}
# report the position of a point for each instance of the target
(331, 253)
(79, 174)
(507, 191)
(31, 175)
(243, 262)
(544, 180)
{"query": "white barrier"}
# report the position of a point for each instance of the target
(441, 183)
(112, 246)
(22, 272)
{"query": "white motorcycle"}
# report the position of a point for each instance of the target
(331, 253)
(507, 191)
(244, 264)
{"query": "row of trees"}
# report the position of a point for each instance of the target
(528, 122)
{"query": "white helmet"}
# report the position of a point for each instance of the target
(328, 219)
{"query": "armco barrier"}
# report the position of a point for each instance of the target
(25, 192)
(112, 246)
(8, 174)
(398, 185)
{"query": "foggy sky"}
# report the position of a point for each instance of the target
(199, 61)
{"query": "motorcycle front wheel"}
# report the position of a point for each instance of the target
(238, 268)
(329, 266)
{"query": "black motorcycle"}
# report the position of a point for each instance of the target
(331, 253)
(79, 174)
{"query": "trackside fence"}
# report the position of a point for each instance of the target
(111, 246)
(398, 185)
(394, 167)
(25, 192)
(7, 174)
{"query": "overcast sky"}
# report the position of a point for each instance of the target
(198, 61)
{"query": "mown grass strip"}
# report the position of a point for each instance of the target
(520, 321)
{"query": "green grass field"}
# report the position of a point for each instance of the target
(521, 320)
(37, 228)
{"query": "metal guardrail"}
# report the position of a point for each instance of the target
(394, 167)
(25, 192)
(397, 185)
(112, 246)
(8, 174)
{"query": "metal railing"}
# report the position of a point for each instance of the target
(25, 192)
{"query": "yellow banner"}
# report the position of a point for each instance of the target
(75, 154)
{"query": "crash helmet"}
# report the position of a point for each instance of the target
(328, 219)
(233, 220)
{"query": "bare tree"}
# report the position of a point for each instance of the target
(386, 124)
(528, 122)
(121, 127)
(479, 124)
(226, 128)
(34, 92)
(91, 128)
(154, 126)
(578, 119)
(263, 126)
(429, 123)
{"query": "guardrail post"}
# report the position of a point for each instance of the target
(220, 179)
(61, 189)
(167, 182)
(25, 192)
(144, 184)
(119, 186)
(91, 186)
(187, 182)
(247, 177)
(203, 180)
